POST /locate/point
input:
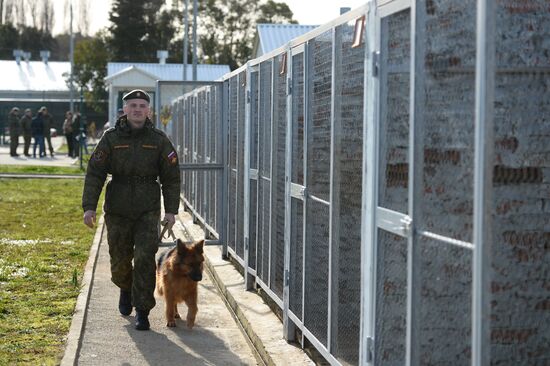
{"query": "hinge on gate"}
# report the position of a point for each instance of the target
(248, 96)
(289, 87)
(375, 63)
(245, 243)
(370, 349)
(287, 277)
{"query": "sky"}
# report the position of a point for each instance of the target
(314, 12)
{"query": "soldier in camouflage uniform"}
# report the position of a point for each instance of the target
(136, 154)
(27, 131)
(15, 130)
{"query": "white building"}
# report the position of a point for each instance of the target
(123, 77)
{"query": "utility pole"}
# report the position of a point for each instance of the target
(71, 56)
(195, 40)
(185, 38)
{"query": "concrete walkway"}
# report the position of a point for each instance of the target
(108, 338)
(58, 159)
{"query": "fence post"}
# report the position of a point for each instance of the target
(369, 193)
(289, 329)
(224, 133)
(484, 145)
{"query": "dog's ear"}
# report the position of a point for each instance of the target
(199, 246)
(182, 248)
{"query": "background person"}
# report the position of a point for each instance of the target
(25, 123)
(15, 130)
(48, 124)
(68, 132)
(136, 154)
(37, 127)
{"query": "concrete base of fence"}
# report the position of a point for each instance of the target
(260, 324)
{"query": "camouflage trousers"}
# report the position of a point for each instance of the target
(137, 239)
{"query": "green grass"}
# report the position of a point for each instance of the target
(40, 169)
(39, 281)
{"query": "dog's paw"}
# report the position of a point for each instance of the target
(190, 323)
(177, 316)
(171, 323)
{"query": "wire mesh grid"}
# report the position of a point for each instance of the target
(347, 193)
(445, 71)
(264, 169)
(391, 275)
(278, 182)
(449, 85)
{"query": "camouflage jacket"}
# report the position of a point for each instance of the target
(13, 121)
(26, 125)
(135, 158)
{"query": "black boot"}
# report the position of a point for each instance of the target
(142, 320)
(125, 302)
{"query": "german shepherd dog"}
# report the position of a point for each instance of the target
(178, 272)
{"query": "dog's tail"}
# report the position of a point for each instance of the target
(159, 290)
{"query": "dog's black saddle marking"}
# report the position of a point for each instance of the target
(163, 257)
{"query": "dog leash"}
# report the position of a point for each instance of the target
(167, 228)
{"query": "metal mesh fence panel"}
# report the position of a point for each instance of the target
(278, 185)
(264, 169)
(316, 270)
(318, 144)
(347, 192)
(391, 276)
(445, 316)
(391, 299)
(520, 253)
(394, 112)
(446, 205)
(298, 119)
(449, 86)
(296, 256)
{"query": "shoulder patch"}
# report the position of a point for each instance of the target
(99, 156)
(172, 157)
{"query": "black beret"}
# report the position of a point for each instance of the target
(137, 94)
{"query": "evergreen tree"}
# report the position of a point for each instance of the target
(139, 28)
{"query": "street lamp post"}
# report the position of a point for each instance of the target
(82, 124)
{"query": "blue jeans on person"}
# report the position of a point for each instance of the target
(39, 141)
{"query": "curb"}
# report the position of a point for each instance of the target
(74, 338)
(41, 176)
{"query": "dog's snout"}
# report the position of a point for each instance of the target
(196, 276)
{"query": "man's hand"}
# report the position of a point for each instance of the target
(169, 219)
(89, 218)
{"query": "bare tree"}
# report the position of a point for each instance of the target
(83, 17)
(1, 12)
(46, 16)
(32, 5)
(7, 12)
